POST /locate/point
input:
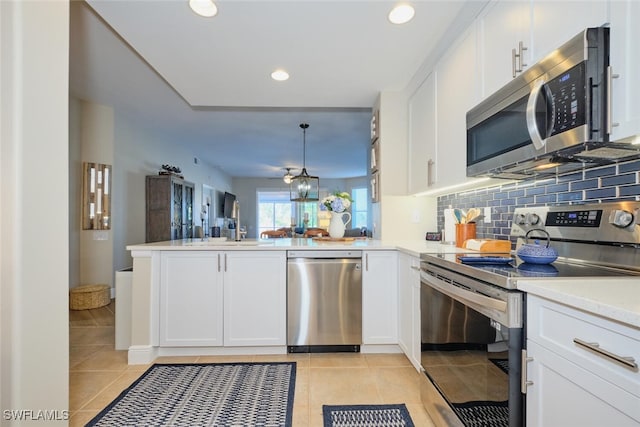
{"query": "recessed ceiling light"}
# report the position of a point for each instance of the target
(204, 8)
(280, 75)
(401, 14)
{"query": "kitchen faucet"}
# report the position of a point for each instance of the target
(235, 213)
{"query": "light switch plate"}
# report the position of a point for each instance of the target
(100, 235)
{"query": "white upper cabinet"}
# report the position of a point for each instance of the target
(422, 136)
(438, 118)
(505, 42)
(625, 66)
(514, 34)
(457, 91)
(556, 22)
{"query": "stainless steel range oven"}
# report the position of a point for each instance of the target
(473, 330)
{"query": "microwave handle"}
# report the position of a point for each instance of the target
(532, 126)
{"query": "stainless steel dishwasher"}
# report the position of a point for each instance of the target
(324, 301)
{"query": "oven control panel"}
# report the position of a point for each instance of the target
(573, 218)
(614, 222)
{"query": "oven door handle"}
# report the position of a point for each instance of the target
(472, 299)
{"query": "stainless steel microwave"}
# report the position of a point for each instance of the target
(553, 118)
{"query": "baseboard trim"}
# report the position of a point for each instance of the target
(380, 348)
(141, 354)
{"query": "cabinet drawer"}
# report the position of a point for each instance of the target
(556, 326)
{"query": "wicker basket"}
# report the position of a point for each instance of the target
(85, 297)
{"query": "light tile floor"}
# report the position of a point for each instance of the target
(98, 374)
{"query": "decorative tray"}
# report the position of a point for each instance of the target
(334, 239)
(485, 259)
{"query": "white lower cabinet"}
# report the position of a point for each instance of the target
(570, 385)
(409, 307)
(255, 299)
(233, 298)
(191, 299)
(380, 297)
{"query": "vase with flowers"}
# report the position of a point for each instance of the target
(337, 204)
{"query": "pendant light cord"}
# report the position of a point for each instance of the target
(304, 127)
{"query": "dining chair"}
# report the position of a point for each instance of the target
(273, 234)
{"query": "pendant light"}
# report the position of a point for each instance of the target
(304, 188)
(288, 177)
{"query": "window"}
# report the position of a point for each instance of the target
(275, 210)
(359, 212)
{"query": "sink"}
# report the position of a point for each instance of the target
(222, 242)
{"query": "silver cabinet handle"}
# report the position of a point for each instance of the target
(628, 362)
(524, 382)
(366, 262)
(519, 56)
(218, 263)
(430, 164)
(521, 49)
(413, 267)
(225, 263)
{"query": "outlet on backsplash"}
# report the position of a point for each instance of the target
(487, 215)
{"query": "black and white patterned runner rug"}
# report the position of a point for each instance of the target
(483, 414)
(366, 416)
(211, 394)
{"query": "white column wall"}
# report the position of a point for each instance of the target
(34, 230)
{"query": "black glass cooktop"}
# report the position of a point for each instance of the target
(505, 273)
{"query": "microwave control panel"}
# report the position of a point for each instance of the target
(567, 94)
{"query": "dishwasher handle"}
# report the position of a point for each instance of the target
(320, 254)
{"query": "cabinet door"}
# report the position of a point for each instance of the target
(409, 307)
(422, 135)
(255, 298)
(380, 297)
(190, 299)
(564, 394)
(503, 26)
(625, 62)
(551, 28)
(456, 93)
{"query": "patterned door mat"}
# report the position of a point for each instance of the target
(247, 394)
(503, 364)
(366, 416)
(483, 414)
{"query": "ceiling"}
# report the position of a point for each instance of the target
(205, 82)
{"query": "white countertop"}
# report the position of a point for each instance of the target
(617, 299)
(260, 245)
(412, 247)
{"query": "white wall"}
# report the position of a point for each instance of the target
(100, 134)
(96, 145)
(141, 151)
(34, 215)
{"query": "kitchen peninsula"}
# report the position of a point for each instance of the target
(202, 297)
